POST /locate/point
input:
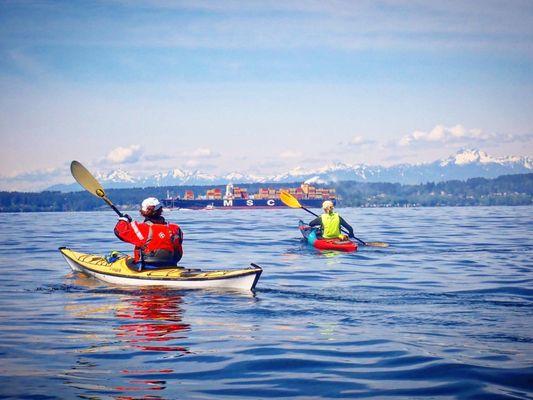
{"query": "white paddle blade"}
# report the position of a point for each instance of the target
(86, 179)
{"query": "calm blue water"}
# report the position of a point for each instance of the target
(445, 312)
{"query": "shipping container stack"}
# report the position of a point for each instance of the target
(213, 194)
(240, 193)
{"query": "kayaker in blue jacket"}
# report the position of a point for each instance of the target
(331, 222)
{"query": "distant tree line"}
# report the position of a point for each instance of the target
(508, 190)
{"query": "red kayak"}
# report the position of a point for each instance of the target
(310, 235)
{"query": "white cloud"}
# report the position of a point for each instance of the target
(140, 162)
(457, 135)
(199, 158)
(359, 140)
(203, 152)
(35, 180)
(192, 163)
(290, 154)
(201, 166)
(157, 157)
(122, 155)
(35, 175)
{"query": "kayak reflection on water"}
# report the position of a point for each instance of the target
(147, 320)
(143, 318)
(153, 321)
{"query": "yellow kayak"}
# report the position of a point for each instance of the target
(123, 272)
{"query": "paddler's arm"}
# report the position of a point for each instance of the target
(347, 226)
(316, 222)
(128, 232)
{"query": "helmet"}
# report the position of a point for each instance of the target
(327, 205)
(150, 205)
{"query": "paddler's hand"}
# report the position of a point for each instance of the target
(125, 218)
(343, 237)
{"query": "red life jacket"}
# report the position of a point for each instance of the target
(162, 245)
(158, 243)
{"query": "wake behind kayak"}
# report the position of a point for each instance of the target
(120, 272)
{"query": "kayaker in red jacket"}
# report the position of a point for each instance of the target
(157, 242)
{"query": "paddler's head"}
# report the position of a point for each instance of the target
(151, 208)
(328, 206)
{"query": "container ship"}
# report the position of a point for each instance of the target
(236, 197)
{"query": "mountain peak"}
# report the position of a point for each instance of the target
(470, 156)
(117, 175)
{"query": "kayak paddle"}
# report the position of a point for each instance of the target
(292, 202)
(89, 183)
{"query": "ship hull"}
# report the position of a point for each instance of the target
(201, 204)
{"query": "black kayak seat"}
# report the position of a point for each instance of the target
(137, 266)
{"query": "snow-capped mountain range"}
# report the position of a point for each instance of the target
(464, 164)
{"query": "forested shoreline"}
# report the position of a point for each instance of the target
(510, 190)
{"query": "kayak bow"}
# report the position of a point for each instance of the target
(122, 272)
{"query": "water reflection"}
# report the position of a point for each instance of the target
(153, 321)
(150, 320)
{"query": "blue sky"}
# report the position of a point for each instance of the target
(258, 86)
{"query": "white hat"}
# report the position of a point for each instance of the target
(327, 204)
(150, 202)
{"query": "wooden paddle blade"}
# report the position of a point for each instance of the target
(289, 200)
(377, 244)
(86, 179)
